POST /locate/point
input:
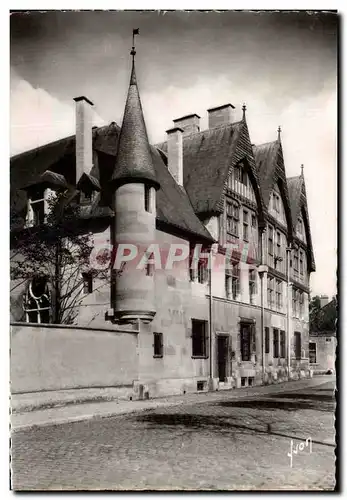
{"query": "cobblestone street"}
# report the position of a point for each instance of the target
(228, 444)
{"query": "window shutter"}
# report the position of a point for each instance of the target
(253, 343)
(207, 343)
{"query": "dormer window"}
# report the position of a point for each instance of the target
(87, 196)
(36, 208)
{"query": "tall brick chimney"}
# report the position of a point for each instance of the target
(190, 124)
(222, 115)
(175, 153)
(84, 143)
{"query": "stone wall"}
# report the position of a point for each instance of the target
(45, 358)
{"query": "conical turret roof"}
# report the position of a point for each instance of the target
(134, 160)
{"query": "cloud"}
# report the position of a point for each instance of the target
(308, 137)
(37, 117)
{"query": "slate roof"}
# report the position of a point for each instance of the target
(294, 189)
(133, 160)
(270, 166)
(206, 159)
(266, 156)
(173, 205)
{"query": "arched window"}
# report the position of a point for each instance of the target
(37, 301)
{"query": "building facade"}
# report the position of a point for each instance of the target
(220, 291)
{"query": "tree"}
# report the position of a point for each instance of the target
(314, 308)
(323, 319)
(52, 258)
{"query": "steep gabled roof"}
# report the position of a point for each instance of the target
(266, 156)
(206, 160)
(133, 160)
(208, 157)
(295, 188)
(173, 205)
(271, 170)
(298, 203)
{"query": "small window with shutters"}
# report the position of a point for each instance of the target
(158, 345)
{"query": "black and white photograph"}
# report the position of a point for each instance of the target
(173, 250)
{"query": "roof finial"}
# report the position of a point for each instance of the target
(279, 130)
(244, 111)
(133, 51)
(302, 170)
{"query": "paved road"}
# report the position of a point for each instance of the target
(221, 445)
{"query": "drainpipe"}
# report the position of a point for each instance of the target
(210, 319)
(261, 274)
(289, 249)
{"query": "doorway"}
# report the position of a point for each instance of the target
(222, 357)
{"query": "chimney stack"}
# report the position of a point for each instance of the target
(175, 153)
(84, 141)
(190, 124)
(222, 115)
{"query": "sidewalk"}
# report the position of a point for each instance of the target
(37, 409)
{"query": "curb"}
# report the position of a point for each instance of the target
(152, 405)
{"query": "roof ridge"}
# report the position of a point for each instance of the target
(194, 134)
(265, 144)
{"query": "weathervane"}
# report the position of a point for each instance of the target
(135, 32)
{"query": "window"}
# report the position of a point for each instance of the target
(202, 270)
(86, 196)
(241, 174)
(254, 221)
(247, 337)
(158, 345)
(312, 352)
(301, 263)
(283, 344)
(148, 199)
(276, 202)
(37, 207)
(328, 340)
(267, 340)
(300, 227)
(297, 345)
(271, 240)
(296, 263)
(199, 338)
(270, 292)
(252, 286)
(233, 218)
(278, 245)
(279, 295)
(87, 283)
(37, 301)
(150, 265)
(245, 225)
(301, 303)
(232, 282)
(275, 343)
(295, 302)
(235, 281)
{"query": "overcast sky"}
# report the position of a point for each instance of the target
(283, 66)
